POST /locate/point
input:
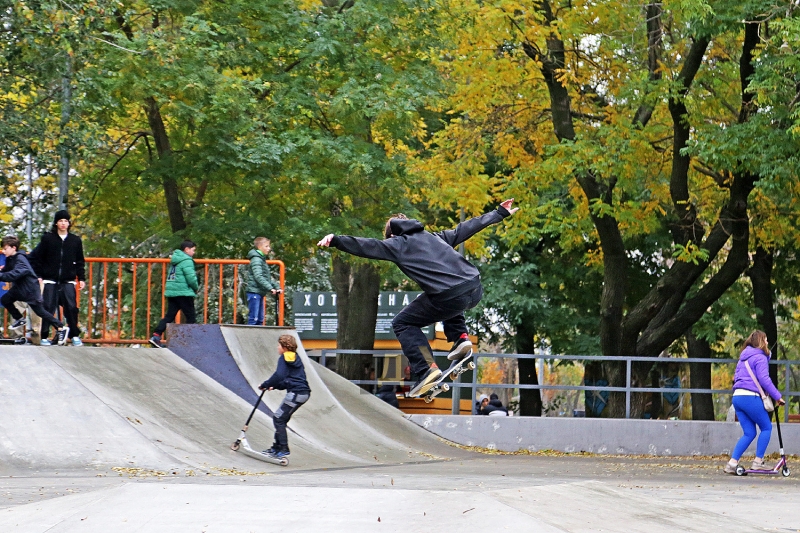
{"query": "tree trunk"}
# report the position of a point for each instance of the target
(760, 274)
(357, 287)
(530, 400)
(174, 209)
(700, 377)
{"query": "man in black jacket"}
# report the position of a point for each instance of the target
(58, 261)
(451, 284)
(25, 288)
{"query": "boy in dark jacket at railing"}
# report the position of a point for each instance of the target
(25, 288)
(290, 375)
(451, 283)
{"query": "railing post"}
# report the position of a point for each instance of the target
(628, 388)
(456, 396)
(474, 385)
(787, 375)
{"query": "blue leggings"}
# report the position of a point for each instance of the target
(751, 412)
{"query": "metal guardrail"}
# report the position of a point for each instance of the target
(628, 389)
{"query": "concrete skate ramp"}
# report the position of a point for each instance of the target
(96, 408)
(340, 417)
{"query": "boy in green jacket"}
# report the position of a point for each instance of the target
(180, 290)
(259, 281)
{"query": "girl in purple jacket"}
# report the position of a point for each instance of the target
(747, 400)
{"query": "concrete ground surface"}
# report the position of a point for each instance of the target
(484, 493)
(137, 440)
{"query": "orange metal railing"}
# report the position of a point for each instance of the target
(115, 305)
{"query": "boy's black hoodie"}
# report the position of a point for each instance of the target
(430, 259)
(25, 284)
(289, 376)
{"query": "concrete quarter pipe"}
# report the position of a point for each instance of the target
(98, 408)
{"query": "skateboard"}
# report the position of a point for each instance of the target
(456, 369)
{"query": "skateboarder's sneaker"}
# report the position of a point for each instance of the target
(426, 381)
(155, 340)
(16, 326)
(62, 335)
(461, 348)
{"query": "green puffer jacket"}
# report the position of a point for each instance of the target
(259, 277)
(181, 277)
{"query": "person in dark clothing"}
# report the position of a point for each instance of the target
(494, 406)
(180, 290)
(388, 393)
(290, 375)
(25, 288)
(451, 284)
(58, 261)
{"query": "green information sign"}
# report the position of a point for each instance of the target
(315, 314)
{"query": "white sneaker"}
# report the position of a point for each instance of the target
(76, 341)
(45, 342)
(62, 335)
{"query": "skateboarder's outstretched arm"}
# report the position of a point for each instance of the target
(387, 250)
(391, 249)
(470, 227)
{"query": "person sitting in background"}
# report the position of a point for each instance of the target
(483, 401)
(495, 407)
(388, 393)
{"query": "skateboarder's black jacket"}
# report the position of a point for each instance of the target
(430, 259)
(25, 284)
(289, 376)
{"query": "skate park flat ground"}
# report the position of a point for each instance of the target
(99, 439)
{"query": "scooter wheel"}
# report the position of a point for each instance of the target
(785, 471)
(235, 446)
(740, 471)
(284, 462)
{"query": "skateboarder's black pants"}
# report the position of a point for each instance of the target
(10, 297)
(426, 310)
(184, 304)
(291, 403)
(57, 295)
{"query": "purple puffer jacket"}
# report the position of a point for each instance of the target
(759, 364)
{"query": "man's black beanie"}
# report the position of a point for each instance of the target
(63, 213)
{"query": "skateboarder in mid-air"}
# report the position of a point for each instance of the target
(451, 284)
(291, 377)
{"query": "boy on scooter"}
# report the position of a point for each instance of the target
(291, 377)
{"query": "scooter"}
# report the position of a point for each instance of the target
(241, 442)
(781, 468)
